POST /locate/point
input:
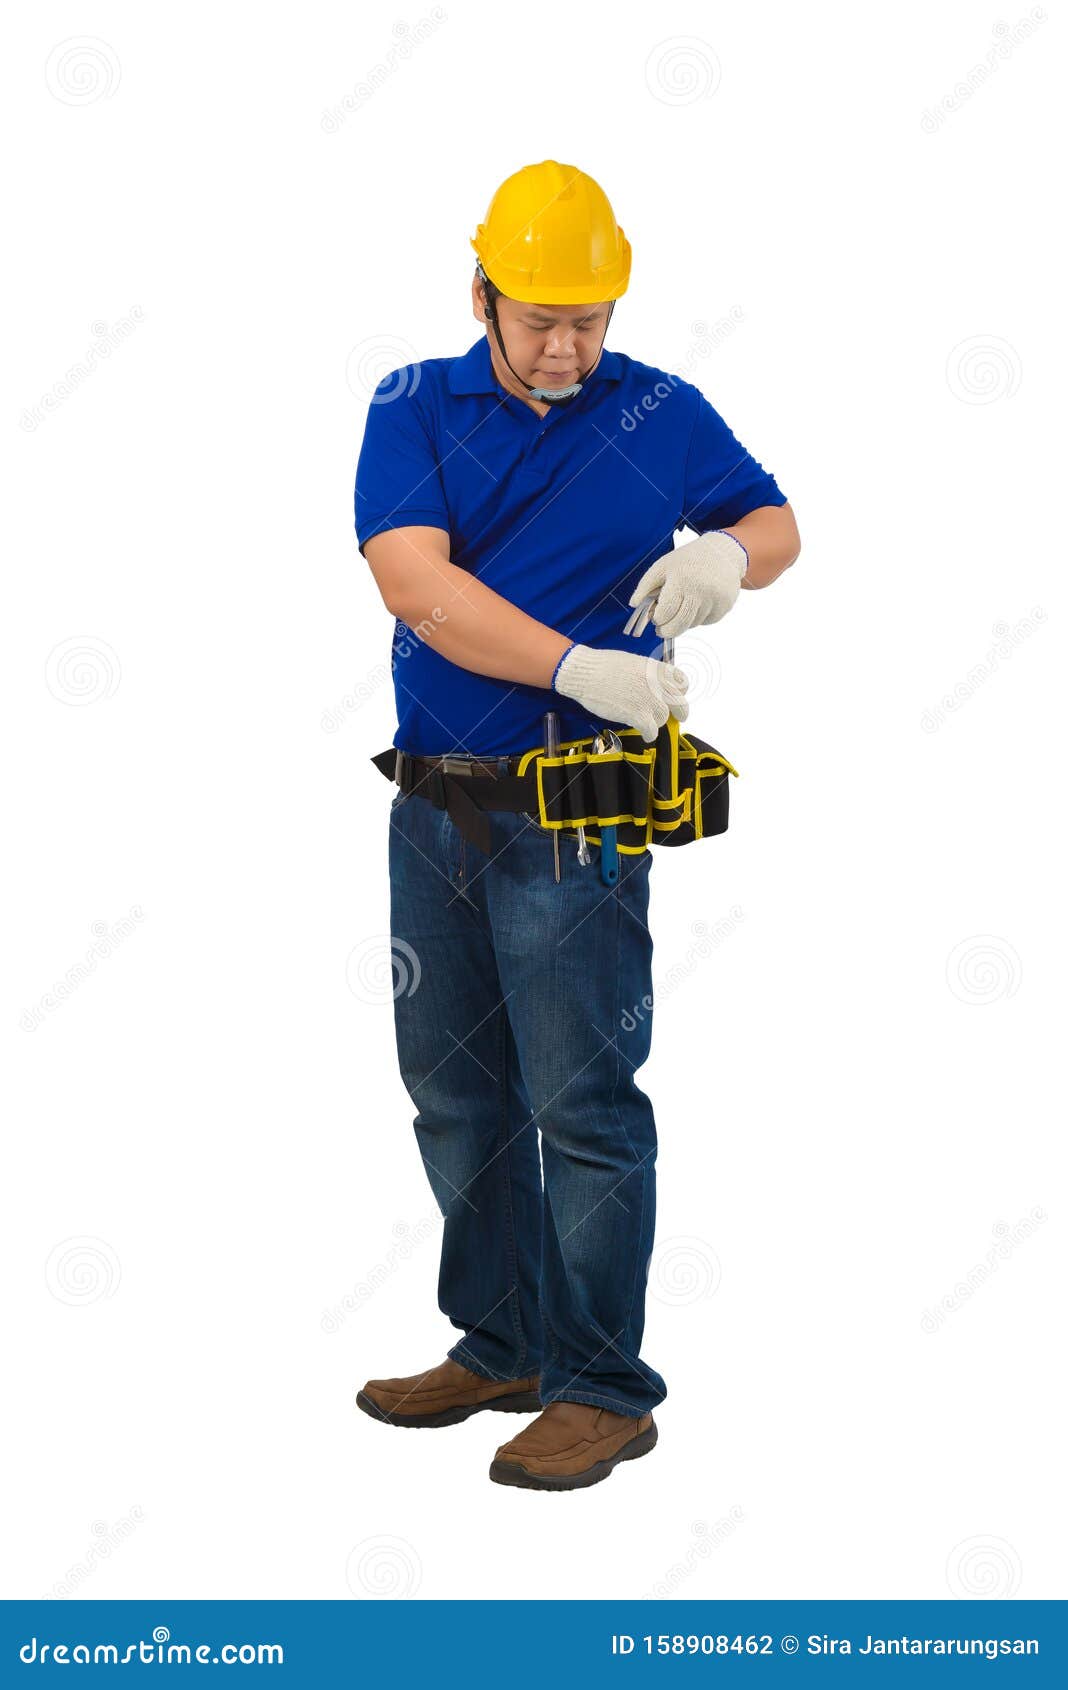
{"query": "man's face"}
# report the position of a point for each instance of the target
(548, 345)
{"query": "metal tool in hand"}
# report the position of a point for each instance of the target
(583, 848)
(551, 728)
(636, 624)
(639, 620)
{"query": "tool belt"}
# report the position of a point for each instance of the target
(668, 793)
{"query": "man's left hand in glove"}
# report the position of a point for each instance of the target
(695, 584)
(698, 583)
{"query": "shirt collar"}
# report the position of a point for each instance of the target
(474, 373)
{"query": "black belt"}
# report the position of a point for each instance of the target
(464, 786)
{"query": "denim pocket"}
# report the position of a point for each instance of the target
(549, 832)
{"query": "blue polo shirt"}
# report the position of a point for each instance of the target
(559, 514)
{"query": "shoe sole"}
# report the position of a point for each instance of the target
(517, 1402)
(509, 1473)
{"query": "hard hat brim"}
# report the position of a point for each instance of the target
(517, 285)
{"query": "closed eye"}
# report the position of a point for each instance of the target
(587, 323)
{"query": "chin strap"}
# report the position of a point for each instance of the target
(546, 395)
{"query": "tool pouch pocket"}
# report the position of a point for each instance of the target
(594, 789)
(689, 797)
(703, 773)
(670, 793)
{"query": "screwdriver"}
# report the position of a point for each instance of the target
(551, 727)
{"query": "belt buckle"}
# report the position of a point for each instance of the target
(455, 766)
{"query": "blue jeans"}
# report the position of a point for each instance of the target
(513, 999)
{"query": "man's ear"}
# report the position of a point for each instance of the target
(478, 301)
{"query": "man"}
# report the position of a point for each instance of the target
(512, 505)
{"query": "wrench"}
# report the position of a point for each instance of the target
(583, 848)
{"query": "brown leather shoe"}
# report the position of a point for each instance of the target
(572, 1444)
(444, 1395)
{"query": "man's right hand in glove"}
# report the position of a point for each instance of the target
(622, 686)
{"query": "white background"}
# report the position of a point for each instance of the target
(856, 1085)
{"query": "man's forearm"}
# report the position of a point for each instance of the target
(475, 628)
(770, 537)
(472, 626)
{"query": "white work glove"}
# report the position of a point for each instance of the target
(623, 686)
(695, 584)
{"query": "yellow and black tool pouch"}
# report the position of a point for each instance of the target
(668, 793)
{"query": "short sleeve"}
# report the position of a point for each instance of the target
(398, 479)
(723, 482)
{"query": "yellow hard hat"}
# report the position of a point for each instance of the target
(551, 238)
